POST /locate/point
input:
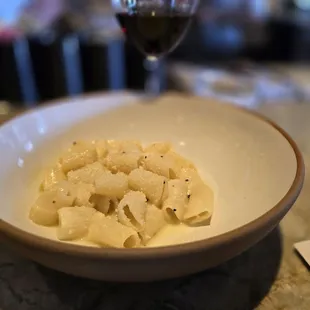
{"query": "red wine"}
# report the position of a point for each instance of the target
(154, 34)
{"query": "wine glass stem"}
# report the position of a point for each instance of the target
(152, 84)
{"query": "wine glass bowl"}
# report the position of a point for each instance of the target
(155, 27)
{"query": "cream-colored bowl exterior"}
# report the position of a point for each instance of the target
(248, 162)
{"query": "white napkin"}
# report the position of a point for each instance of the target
(303, 249)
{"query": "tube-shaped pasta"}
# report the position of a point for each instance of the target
(106, 231)
(176, 203)
(101, 148)
(127, 146)
(200, 207)
(123, 162)
(156, 163)
(112, 185)
(79, 155)
(74, 222)
(44, 210)
(103, 204)
(131, 210)
(113, 146)
(80, 193)
(120, 195)
(151, 184)
(158, 147)
(192, 178)
(131, 146)
(154, 222)
(52, 177)
(87, 174)
(177, 163)
(201, 199)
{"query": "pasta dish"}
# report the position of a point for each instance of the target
(120, 194)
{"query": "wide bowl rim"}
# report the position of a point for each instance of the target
(279, 210)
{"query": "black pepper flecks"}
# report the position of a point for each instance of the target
(174, 210)
(186, 180)
(162, 156)
(145, 157)
(164, 182)
(54, 201)
(74, 142)
(188, 196)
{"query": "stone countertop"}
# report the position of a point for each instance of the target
(269, 276)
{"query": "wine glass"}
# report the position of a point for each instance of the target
(155, 27)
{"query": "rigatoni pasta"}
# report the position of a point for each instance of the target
(201, 198)
(200, 207)
(79, 155)
(119, 194)
(106, 231)
(74, 222)
(192, 178)
(112, 185)
(177, 201)
(151, 184)
(154, 222)
(104, 204)
(102, 148)
(177, 163)
(157, 164)
(44, 210)
(80, 192)
(131, 210)
(115, 146)
(123, 162)
(52, 177)
(158, 148)
(87, 174)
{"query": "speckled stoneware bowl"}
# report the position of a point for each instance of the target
(254, 167)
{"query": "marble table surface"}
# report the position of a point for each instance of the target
(269, 276)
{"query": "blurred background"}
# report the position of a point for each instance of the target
(244, 51)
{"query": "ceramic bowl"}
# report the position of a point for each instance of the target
(253, 166)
